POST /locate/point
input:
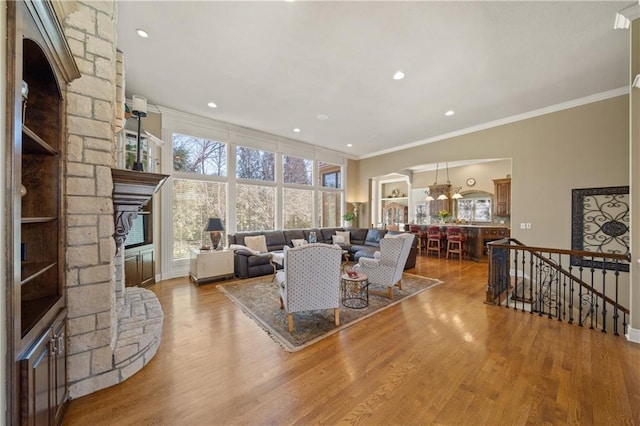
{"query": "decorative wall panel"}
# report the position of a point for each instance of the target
(600, 223)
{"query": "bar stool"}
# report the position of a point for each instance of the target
(433, 240)
(415, 230)
(455, 242)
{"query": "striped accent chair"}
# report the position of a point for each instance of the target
(310, 280)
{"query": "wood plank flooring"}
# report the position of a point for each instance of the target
(442, 357)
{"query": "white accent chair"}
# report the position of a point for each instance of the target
(385, 269)
(310, 280)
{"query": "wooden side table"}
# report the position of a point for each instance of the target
(210, 265)
(354, 291)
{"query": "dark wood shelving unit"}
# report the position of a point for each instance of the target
(38, 55)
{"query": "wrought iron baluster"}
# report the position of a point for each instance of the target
(592, 312)
(531, 282)
(615, 308)
(604, 297)
(571, 293)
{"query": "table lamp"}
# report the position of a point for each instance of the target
(214, 226)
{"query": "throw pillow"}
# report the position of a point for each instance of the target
(241, 247)
(346, 235)
(257, 243)
(401, 235)
(337, 239)
(297, 242)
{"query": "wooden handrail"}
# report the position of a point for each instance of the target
(580, 253)
(534, 251)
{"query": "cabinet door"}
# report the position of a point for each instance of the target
(59, 370)
(502, 189)
(146, 267)
(35, 383)
(131, 271)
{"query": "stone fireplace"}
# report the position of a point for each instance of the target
(113, 331)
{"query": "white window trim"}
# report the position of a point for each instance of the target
(178, 122)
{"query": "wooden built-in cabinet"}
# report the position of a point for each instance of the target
(502, 197)
(39, 58)
(139, 270)
(479, 236)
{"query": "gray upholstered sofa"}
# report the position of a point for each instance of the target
(362, 242)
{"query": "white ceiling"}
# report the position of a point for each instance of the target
(274, 66)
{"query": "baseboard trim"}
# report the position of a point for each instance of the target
(633, 335)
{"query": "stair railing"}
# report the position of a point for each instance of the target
(576, 286)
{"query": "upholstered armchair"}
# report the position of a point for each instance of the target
(310, 280)
(385, 269)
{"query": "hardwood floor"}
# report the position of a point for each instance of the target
(441, 357)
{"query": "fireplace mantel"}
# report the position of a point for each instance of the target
(132, 190)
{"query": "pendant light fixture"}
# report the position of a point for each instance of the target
(442, 196)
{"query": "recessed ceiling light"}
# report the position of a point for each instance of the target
(212, 105)
(142, 33)
(349, 145)
(296, 130)
(323, 117)
(399, 75)
(449, 113)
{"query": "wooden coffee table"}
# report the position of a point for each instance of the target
(354, 291)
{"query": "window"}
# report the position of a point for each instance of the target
(330, 175)
(255, 207)
(201, 156)
(475, 209)
(297, 170)
(329, 208)
(297, 211)
(255, 164)
(194, 202)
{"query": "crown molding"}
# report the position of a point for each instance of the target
(508, 120)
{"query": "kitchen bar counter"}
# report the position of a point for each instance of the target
(477, 238)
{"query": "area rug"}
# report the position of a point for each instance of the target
(258, 298)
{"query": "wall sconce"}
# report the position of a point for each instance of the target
(356, 206)
(139, 110)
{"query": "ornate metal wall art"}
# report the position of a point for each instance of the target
(600, 224)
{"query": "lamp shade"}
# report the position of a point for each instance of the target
(214, 224)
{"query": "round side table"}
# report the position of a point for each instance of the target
(355, 291)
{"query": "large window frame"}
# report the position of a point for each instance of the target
(234, 138)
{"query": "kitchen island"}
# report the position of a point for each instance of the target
(477, 238)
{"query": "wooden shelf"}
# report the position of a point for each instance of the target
(45, 219)
(33, 310)
(31, 271)
(34, 144)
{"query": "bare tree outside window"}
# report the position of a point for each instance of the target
(255, 207)
(329, 208)
(297, 170)
(194, 202)
(255, 164)
(297, 211)
(197, 155)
